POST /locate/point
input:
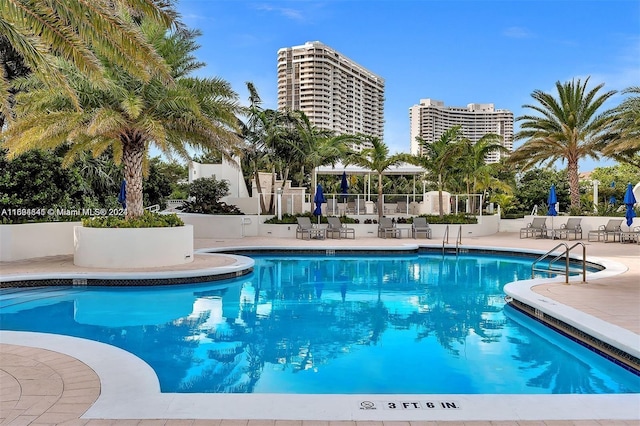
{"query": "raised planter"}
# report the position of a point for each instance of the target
(132, 247)
(30, 240)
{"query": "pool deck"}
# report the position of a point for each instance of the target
(47, 379)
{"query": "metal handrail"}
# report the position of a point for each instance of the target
(567, 250)
(458, 240)
(445, 237)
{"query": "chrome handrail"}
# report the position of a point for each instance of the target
(445, 237)
(567, 250)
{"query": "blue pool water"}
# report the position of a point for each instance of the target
(406, 324)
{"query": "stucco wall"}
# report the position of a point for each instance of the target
(132, 247)
(29, 240)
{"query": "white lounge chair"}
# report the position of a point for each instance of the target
(420, 226)
(306, 229)
(338, 228)
(387, 228)
(612, 228)
(537, 227)
(571, 227)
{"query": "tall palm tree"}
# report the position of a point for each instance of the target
(81, 32)
(567, 128)
(129, 114)
(440, 157)
(254, 133)
(377, 158)
(622, 138)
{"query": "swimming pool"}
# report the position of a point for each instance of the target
(402, 324)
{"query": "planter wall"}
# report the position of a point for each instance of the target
(132, 247)
(220, 226)
(29, 240)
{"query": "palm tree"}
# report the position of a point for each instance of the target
(567, 129)
(81, 32)
(128, 114)
(253, 132)
(622, 139)
(377, 158)
(473, 160)
(317, 147)
(440, 157)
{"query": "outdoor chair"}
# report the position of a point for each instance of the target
(631, 236)
(420, 226)
(401, 207)
(351, 207)
(612, 228)
(537, 228)
(389, 208)
(387, 228)
(306, 230)
(571, 227)
(337, 228)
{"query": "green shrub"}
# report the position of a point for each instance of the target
(289, 219)
(450, 219)
(147, 220)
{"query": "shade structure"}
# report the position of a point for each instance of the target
(344, 186)
(122, 195)
(319, 199)
(629, 202)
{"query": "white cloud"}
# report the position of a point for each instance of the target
(287, 12)
(517, 32)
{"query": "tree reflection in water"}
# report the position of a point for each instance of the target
(355, 323)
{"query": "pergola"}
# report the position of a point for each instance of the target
(350, 169)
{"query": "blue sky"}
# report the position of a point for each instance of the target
(457, 51)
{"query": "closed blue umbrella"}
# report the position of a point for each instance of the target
(629, 201)
(552, 200)
(344, 186)
(612, 199)
(319, 199)
(122, 195)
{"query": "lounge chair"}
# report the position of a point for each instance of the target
(571, 227)
(537, 227)
(337, 228)
(306, 229)
(402, 207)
(420, 226)
(386, 228)
(612, 228)
(631, 236)
(351, 207)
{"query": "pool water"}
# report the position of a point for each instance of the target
(401, 324)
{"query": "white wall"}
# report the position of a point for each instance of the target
(221, 226)
(228, 171)
(132, 247)
(29, 240)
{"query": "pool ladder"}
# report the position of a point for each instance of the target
(564, 254)
(445, 239)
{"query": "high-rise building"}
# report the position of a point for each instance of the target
(430, 119)
(332, 90)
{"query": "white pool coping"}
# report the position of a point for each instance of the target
(130, 388)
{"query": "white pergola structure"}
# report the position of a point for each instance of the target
(350, 169)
